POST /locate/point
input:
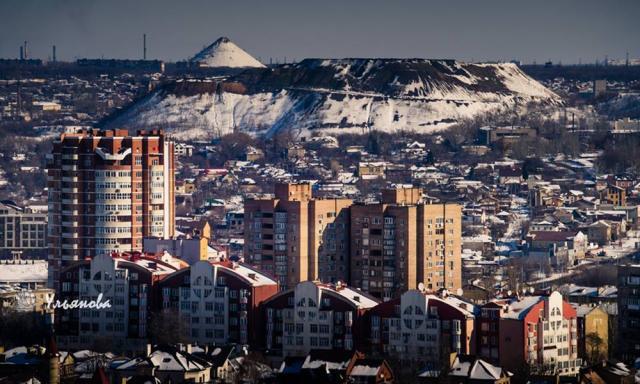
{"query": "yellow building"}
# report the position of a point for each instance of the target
(615, 195)
(593, 333)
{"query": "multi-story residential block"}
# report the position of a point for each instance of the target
(23, 230)
(488, 329)
(401, 242)
(593, 333)
(329, 239)
(539, 332)
(313, 315)
(107, 191)
(422, 328)
(217, 302)
(628, 312)
(295, 237)
(127, 282)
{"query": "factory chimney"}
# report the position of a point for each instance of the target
(53, 57)
(144, 46)
(26, 50)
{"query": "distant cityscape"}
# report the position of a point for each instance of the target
(322, 221)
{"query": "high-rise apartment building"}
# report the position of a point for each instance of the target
(107, 191)
(628, 344)
(401, 242)
(329, 239)
(295, 237)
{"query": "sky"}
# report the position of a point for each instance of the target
(567, 31)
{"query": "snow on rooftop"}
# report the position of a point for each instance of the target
(177, 361)
(256, 278)
(24, 272)
(359, 298)
(364, 370)
(518, 309)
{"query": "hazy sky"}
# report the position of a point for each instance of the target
(565, 30)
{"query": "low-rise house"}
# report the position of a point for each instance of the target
(166, 363)
(600, 232)
(362, 370)
(614, 194)
(552, 243)
(465, 369)
(371, 169)
(608, 372)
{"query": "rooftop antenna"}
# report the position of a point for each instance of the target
(144, 46)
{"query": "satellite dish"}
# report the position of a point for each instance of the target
(421, 287)
(531, 289)
(509, 293)
(459, 291)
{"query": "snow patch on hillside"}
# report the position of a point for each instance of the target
(347, 95)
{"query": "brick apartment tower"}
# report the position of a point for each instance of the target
(401, 242)
(295, 237)
(107, 191)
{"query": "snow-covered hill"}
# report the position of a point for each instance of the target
(347, 95)
(224, 53)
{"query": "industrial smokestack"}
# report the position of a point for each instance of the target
(144, 46)
(54, 54)
(26, 50)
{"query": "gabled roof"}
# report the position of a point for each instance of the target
(366, 367)
(475, 369)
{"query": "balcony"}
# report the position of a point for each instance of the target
(69, 190)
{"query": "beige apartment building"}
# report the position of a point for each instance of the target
(401, 242)
(295, 237)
